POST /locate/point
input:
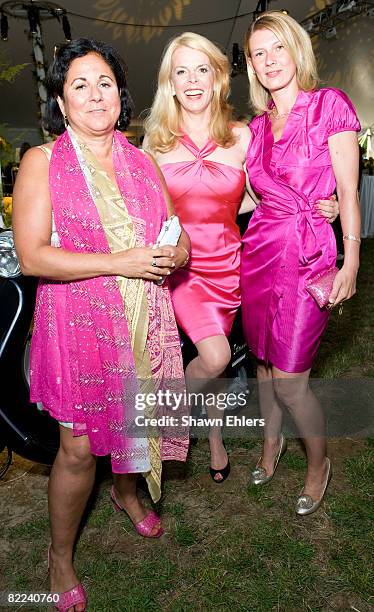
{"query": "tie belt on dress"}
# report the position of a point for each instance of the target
(308, 244)
(301, 251)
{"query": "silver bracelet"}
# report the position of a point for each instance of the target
(351, 237)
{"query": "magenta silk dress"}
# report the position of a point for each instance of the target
(287, 241)
(206, 196)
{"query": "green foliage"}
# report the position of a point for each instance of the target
(6, 149)
(347, 346)
(8, 72)
(231, 546)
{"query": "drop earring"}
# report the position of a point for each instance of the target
(66, 122)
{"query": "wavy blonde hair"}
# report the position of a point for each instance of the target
(163, 124)
(298, 44)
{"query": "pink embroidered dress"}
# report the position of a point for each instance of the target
(95, 339)
(287, 241)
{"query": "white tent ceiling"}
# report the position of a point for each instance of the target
(346, 62)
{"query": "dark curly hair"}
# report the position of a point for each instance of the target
(53, 120)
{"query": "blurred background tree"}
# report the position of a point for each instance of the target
(7, 71)
(8, 74)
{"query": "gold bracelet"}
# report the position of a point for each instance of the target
(188, 256)
(351, 237)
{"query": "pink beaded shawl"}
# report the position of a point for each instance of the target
(82, 355)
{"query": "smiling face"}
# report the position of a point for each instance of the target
(272, 63)
(91, 97)
(192, 78)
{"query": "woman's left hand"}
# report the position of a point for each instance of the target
(344, 286)
(328, 208)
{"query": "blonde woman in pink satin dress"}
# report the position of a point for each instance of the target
(303, 145)
(201, 152)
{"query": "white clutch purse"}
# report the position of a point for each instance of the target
(170, 232)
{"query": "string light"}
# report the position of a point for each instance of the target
(35, 11)
(325, 22)
(33, 17)
(238, 64)
(66, 28)
(4, 26)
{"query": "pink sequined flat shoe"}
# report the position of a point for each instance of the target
(72, 598)
(69, 599)
(143, 527)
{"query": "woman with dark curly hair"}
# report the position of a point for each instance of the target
(102, 323)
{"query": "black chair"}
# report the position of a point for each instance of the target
(24, 429)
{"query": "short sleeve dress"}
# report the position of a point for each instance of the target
(287, 241)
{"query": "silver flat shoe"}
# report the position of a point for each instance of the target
(306, 504)
(259, 475)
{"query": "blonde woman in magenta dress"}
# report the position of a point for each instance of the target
(201, 152)
(303, 144)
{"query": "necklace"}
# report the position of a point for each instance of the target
(276, 115)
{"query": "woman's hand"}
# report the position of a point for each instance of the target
(328, 208)
(150, 263)
(180, 255)
(344, 286)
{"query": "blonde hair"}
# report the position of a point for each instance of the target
(298, 44)
(163, 124)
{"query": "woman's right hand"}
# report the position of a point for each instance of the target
(138, 263)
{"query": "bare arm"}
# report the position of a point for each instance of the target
(344, 154)
(183, 247)
(32, 224)
(249, 201)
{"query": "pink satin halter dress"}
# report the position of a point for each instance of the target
(287, 241)
(206, 196)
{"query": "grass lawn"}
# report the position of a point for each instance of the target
(231, 546)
